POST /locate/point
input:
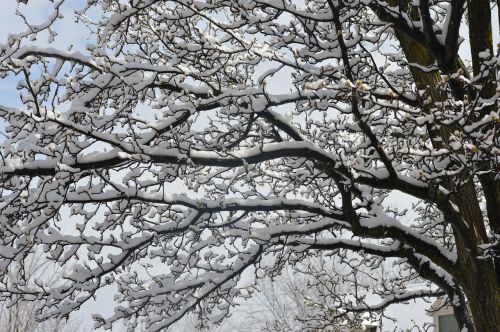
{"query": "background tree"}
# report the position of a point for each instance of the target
(307, 295)
(18, 314)
(163, 160)
(311, 296)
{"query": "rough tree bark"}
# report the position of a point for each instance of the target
(478, 278)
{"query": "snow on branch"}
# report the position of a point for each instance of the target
(194, 148)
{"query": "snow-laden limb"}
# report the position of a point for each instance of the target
(194, 147)
(15, 38)
(267, 152)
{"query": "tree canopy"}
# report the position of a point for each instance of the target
(191, 147)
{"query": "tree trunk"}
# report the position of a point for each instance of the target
(483, 286)
(481, 39)
(477, 276)
(483, 295)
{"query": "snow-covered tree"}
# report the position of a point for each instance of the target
(192, 147)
